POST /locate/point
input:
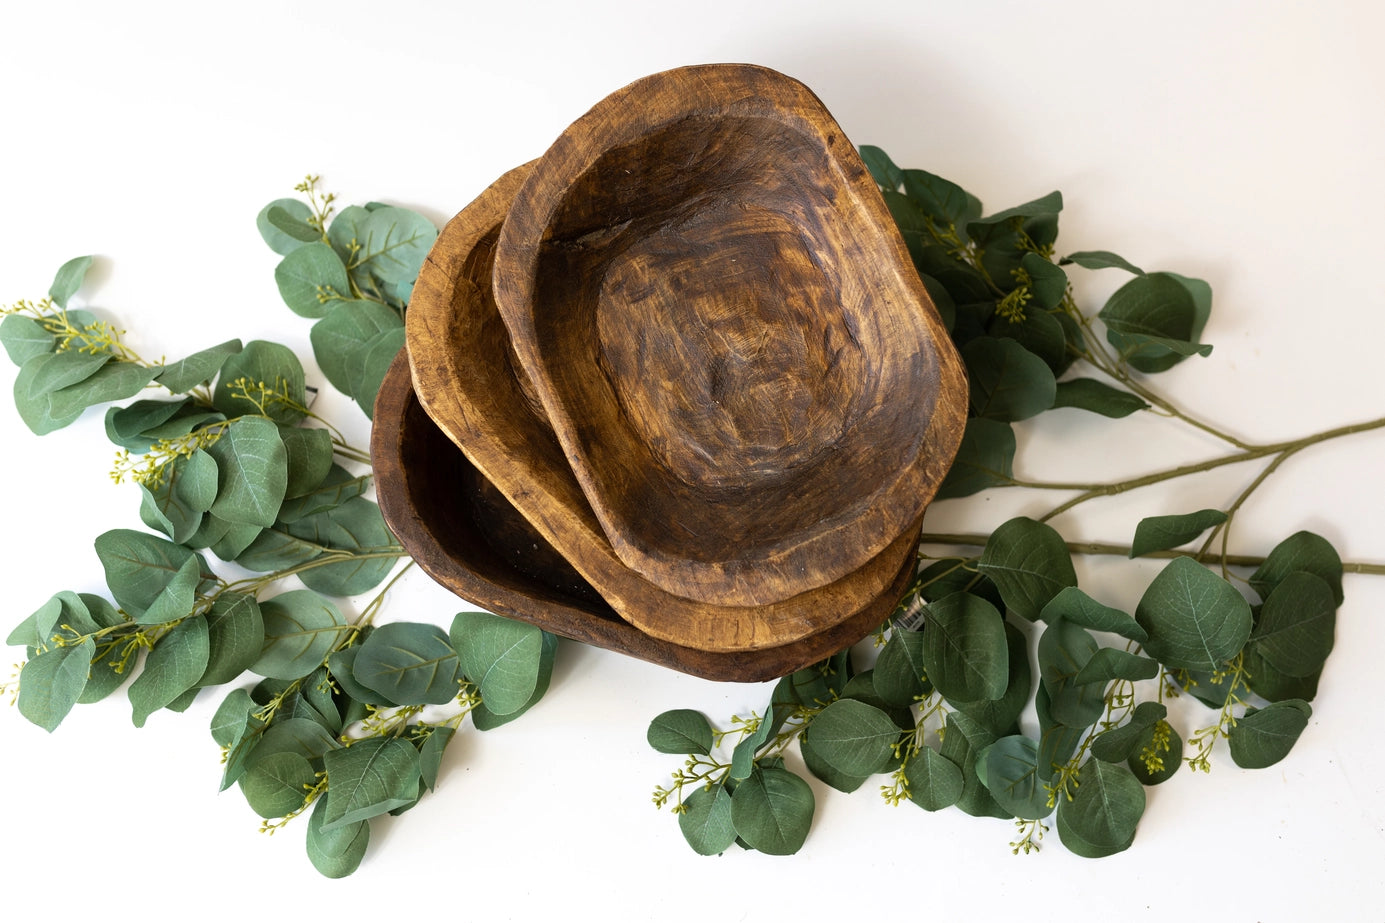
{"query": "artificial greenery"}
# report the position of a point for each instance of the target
(997, 686)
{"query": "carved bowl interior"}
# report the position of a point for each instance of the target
(727, 337)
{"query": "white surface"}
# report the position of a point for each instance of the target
(1240, 142)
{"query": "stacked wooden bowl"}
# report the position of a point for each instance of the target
(675, 388)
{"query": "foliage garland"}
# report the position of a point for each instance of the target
(349, 720)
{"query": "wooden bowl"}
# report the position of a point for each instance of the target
(465, 378)
(727, 336)
(466, 536)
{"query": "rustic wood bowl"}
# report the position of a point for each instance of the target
(727, 336)
(467, 537)
(465, 377)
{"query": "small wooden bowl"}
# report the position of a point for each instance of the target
(467, 537)
(465, 378)
(727, 336)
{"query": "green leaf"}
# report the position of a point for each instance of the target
(252, 472)
(984, 459)
(706, 821)
(409, 663)
(1155, 320)
(743, 755)
(1274, 685)
(680, 731)
(273, 550)
(276, 785)
(1160, 533)
(300, 629)
(1297, 624)
(1030, 563)
(855, 738)
(369, 778)
(68, 280)
(1305, 551)
(374, 360)
(821, 768)
(935, 782)
(965, 652)
(1100, 259)
(176, 599)
(899, 676)
(51, 682)
(342, 665)
(1046, 205)
(311, 279)
(499, 655)
(309, 458)
(394, 243)
(44, 374)
(1108, 663)
(965, 738)
(274, 365)
(139, 566)
(1080, 609)
(303, 734)
(772, 811)
(1048, 282)
(336, 488)
(1008, 382)
(1263, 737)
(999, 715)
(235, 637)
(199, 368)
(24, 338)
(882, 168)
(1121, 743)
(163, 509)
(1096, 397)
(338, 852)
(230, 717)
(1104, 810)
(355, 526)
(1154, 762)
(1195, 619)
(174, 666)
(1064, 651)
(341, 336)
(947, 203)
(430, 754)
(283, 224)
(1039, 332)
(1009, 768)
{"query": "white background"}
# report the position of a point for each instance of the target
(1239, 142)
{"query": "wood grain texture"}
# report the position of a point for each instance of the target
(727, 337)
(464, 534)
(465, 376)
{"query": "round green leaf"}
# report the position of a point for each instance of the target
(999, 715)
(24, 338)
(1265, 736)
(252, 472)
(855, 738)
(173, 666)
(113, 381)
(409, 663)
(1008, 382)
(1105, 809)
(1010, 769)
(276, 785)
(935, 782)
(235, 636)
(186, 374)
(1065, 650)
(139, 566)
(309, 458)
(1154, 320)
(51, 683)
(1030, 563)
(1195, 619)
(706, 821)
(965, 652)
(310, 278)
(1297, 624)
(1080, 609)
(1151, 762)
(985, 459)
(680, 731)
(899, 676)
(335, 853)
(343, 333)
(1159, 533)
(394, 243)
(501, 656)
(68, 279)
(300, 629)
(369, 778)
(772, 811)
(1305, 551)
(274, 365)
(285, 235)
(1097, 397)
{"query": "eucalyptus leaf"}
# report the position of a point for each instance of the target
(963, 740)
(304, 735)
(113, 381)
(343, 334)
(375, 359)
(430, 754)
(354, 527)
(822, 769)
(199, 368)
(935, 782)
(1039, 332)
(965, 652)
(1030, 563)
(276, 785)
(369, 778)
(1109, 663)
(1101, 259)
(706, 821)
(311, 278)
(1263, 737)
(984, 459)
(680, 731)
(394, 243)
(501, 656)
(176, 599)
(69, 279)
(1094, 396)
(301, 627)
(1154, 321)
(409, 663)
(342, 665)
(336, 488)
(24, 338)
(899, 676)
(743, 754)
(285, 232)
(1297, 624)
(43, 374)
(252, 472)
(51, 683)
(1105, 809)
(1302, 551)
(230, 716)
(772, 811)
(338, 852)
(882, 168)
(1080, 609)
(1119, 743)
(1159, 533)
(1274, 685)
(139, 566)
(1195, 619)
(272, 365)
(235, 637)
(1064, 651)
(173, 666)
(1008, 382)
(856, 738)
(999, 716)
(273, 550)
(309, 452)
(1010, 770)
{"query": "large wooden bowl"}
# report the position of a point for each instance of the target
(465, 378)
(466, 536)
(727, 336)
